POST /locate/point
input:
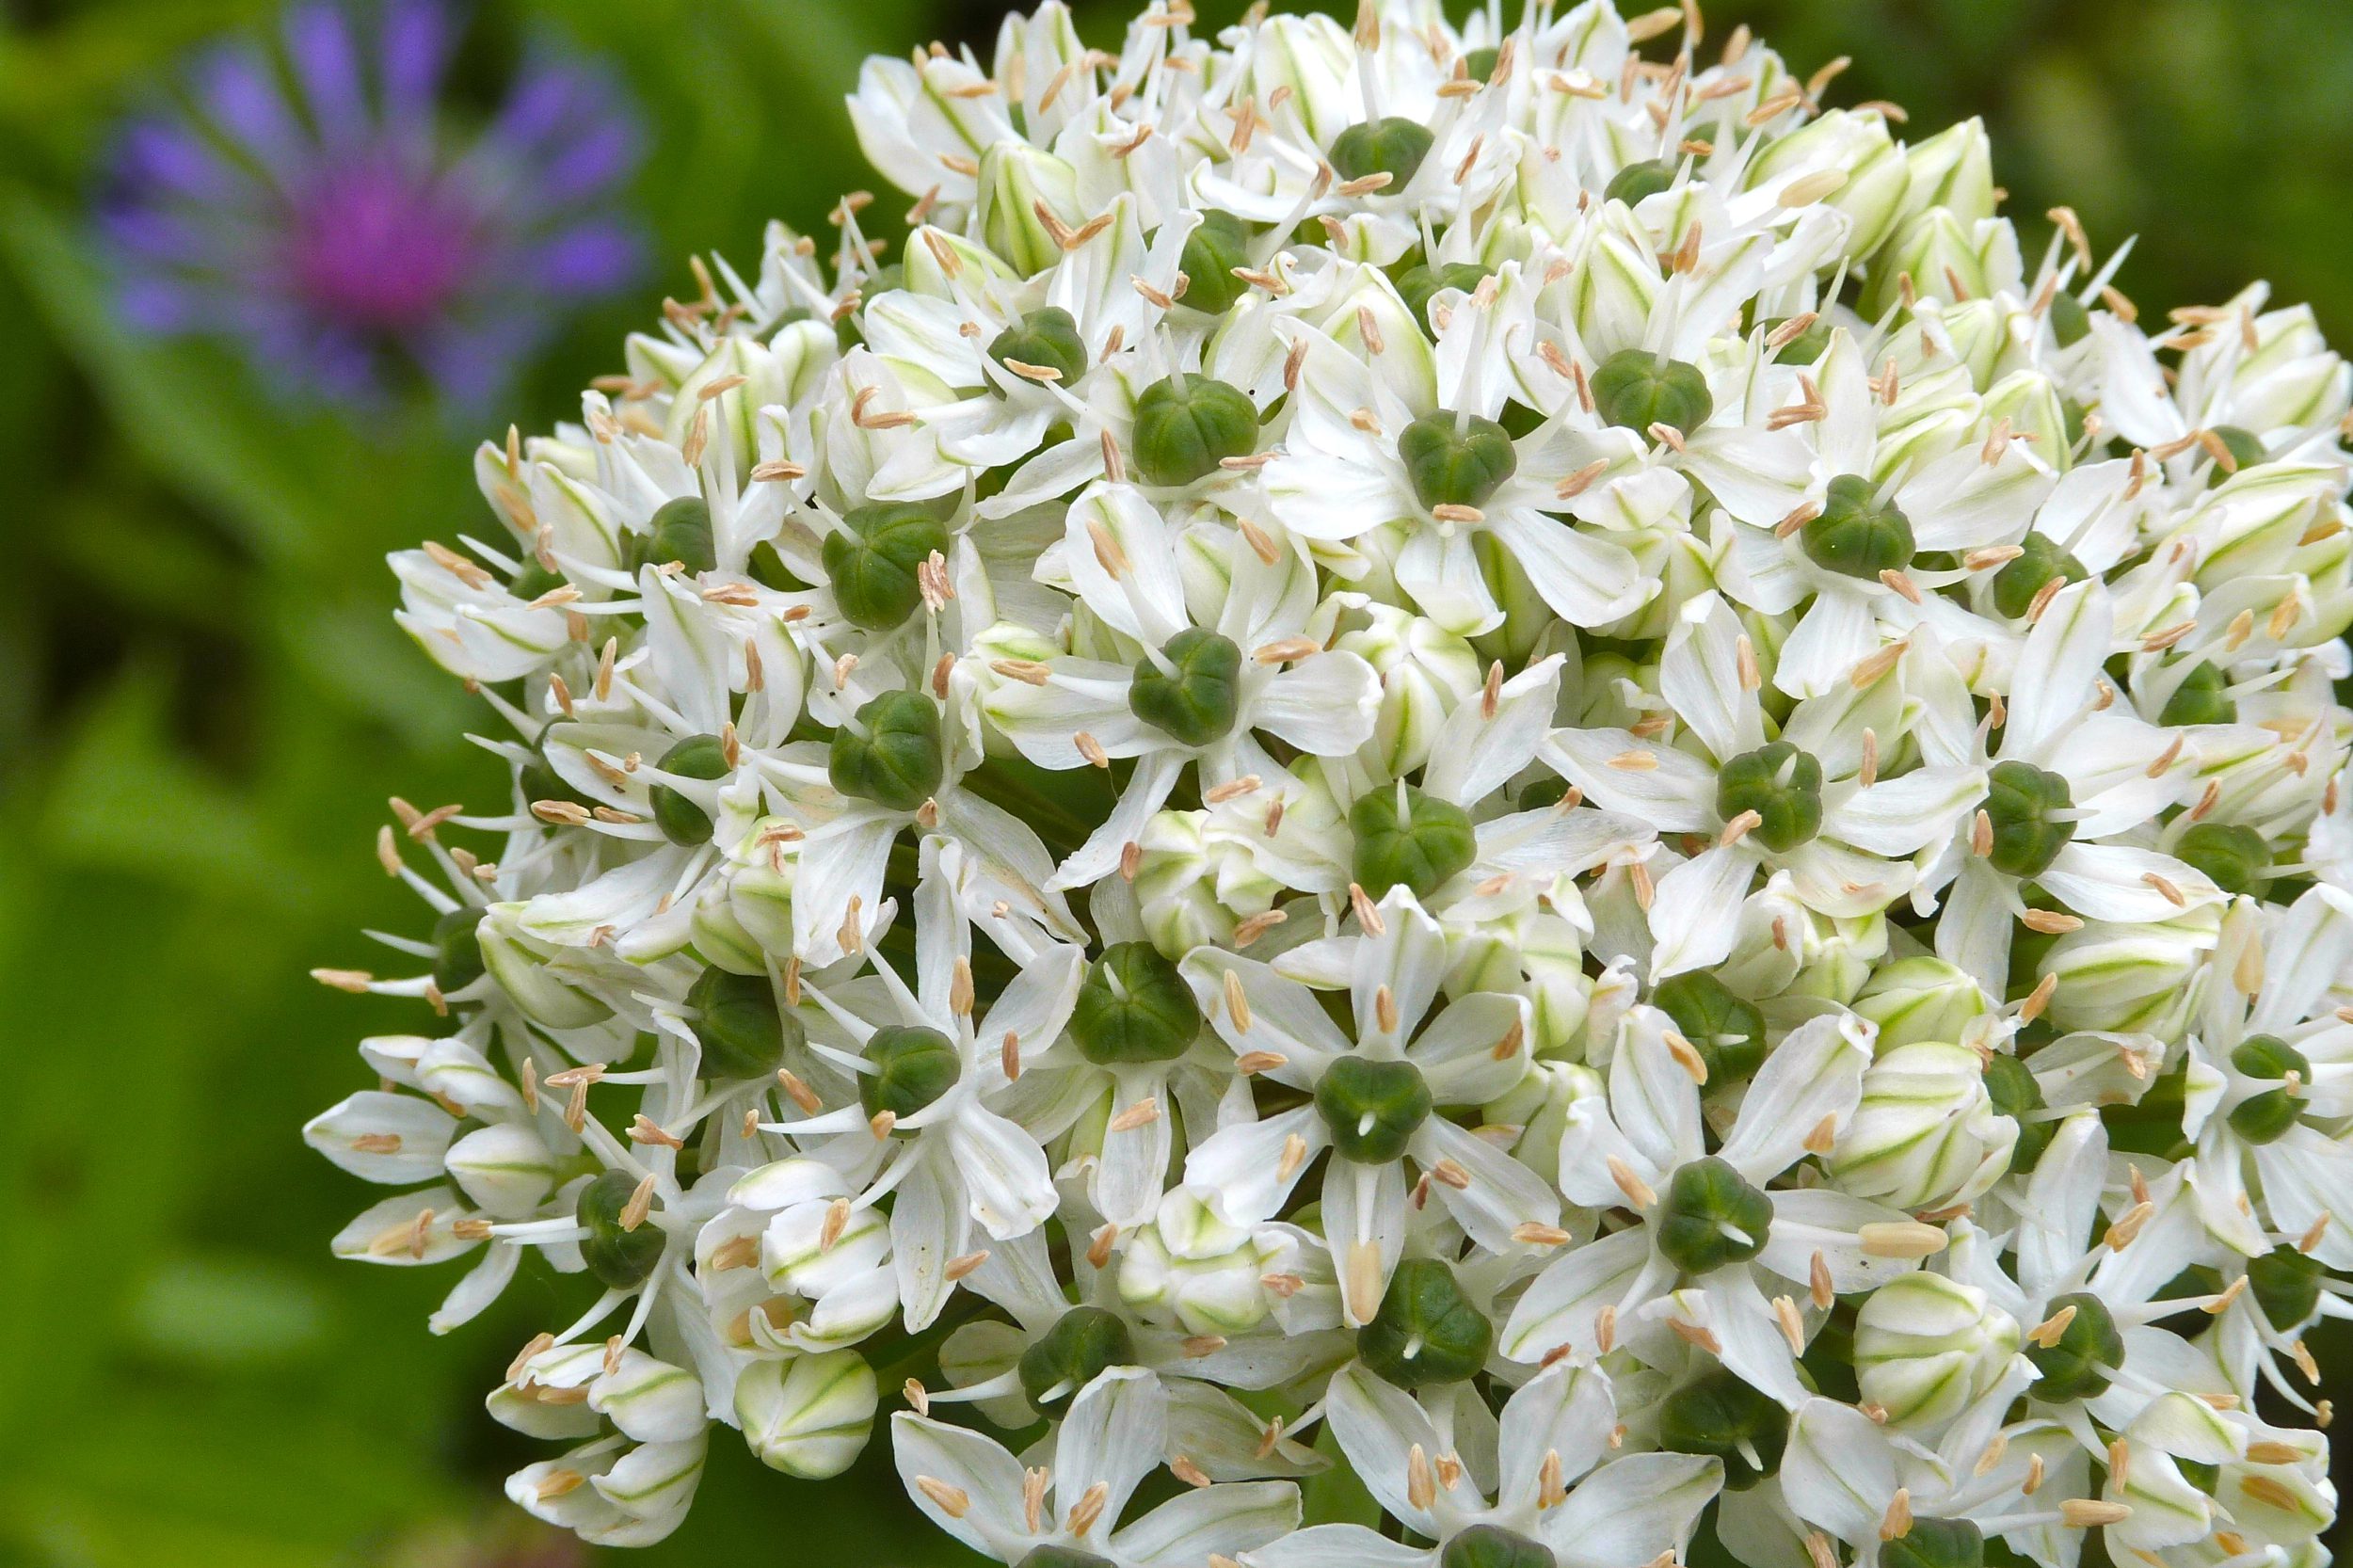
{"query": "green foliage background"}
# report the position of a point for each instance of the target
(204, 705)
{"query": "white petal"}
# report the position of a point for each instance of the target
(1696, 912)
(1238, 1520)
(983, 1471)
(1325, 704)
(1560, 1306)
(1814, 1073)
(1006, 1180)
(1114, 1435)
(1672, 791)
(1700, 674)
(1632, 1510)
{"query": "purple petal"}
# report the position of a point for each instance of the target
(415, 40)
(327, 67)
(237, 92)
(590, 258)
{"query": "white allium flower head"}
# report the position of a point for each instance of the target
(1496, 736)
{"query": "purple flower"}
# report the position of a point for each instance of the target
(314, 202)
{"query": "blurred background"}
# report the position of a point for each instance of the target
(204, 703)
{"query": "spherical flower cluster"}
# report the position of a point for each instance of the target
(1491, 758)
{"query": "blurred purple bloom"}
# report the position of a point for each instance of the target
(315, 203)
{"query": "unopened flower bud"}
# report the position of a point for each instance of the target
(505, 1169)
(1926, 1348)
(1853, 144)
(808, 1415)
(1926, 1133)
(1193, 888)
(1194, 1270)
(1016, 180)
(1920, 998)
(1424, 670)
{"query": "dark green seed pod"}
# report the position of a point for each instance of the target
(456, 949)
(1372, 1109)
(681, 820)
(2069, 322)
(2023, 802)
(2266, 1117)
(2286, 1284)
(1188, 424)
(1493, 1547)
(1083, 1342)
(1936, 1543)
(621, 1259)
(1635, 389)
(1856, 535)
(2203, 698)
(900, 759)
(1051, 1556)
(1212, 252)
(1807, 346)
(1419, 285)
(1636, 181)
(1407, 838)
(1725, 1029)
(2245, 447)
(1197, 699)
(1427, 1331)
(1394, 146)
(743, 1031)
(2016, 1093)
(1704, 1197)
(1782, 785)
(2235, 858)
(1538, 793)
(1134, 1006)
(1046, 339)
(913, 1067)
(2089, 1349)
(871, 561)
(537, 779)
(2017, 584)
(1479, 64)
(1718, 1414)
(1456, 459)
(680, 533)
(534, 580)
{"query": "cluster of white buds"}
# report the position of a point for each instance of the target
(1486, 757)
